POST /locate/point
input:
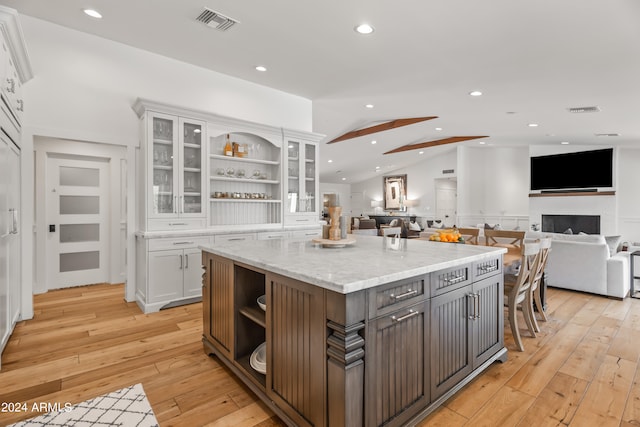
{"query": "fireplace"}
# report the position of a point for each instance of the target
(589, 224)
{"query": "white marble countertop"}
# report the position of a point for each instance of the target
(371, 261)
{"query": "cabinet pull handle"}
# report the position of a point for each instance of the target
(404, 295)
(183, 243)
(471, 306)
(181, 204)
(20, 106)
(236, 238)
(177, 223)
(175, 204)
(476, 298)
(11, 86)
(186, 261)
(406, 316)
(180, 262)
(488, 268)
(455, 280)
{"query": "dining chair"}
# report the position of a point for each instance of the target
(516, 238)
(470, 235)
(517, 291)
(390, 231)
(545, 247)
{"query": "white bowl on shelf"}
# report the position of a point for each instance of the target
(262, 302)
(258, 358)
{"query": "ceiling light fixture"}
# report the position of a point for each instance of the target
(374, 142)
(363, 29)
(532, 125)
(475, 93)
(344, 179)
(329, 161)
(564, 142)
(93, 13)
(369, 106)
(420, 152)
(261, 68)
(481, 142)
(438, 129)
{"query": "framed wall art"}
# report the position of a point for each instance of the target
(395, 192)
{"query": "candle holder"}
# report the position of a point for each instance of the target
(334, 216)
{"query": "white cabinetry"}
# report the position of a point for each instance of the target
(173, 157)
(170, 271)
(14, 71)
(301, 182)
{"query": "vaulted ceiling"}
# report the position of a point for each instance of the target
(531, 61)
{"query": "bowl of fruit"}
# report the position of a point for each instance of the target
(447, 235)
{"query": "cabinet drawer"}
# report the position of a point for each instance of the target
(177, 243)
(270, 235)
(393, 296)
(310, 234)
(302, 219)
(221, 238)
(177, 224)
(451, 278)
(487, 268)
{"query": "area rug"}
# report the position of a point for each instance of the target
(127, 407)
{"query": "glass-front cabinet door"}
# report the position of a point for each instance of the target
(302, 181)
(176, 159)
(163, 155)
(192, 178)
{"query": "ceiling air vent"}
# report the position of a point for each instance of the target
(594, 109)
(216, 20)
(607, 134)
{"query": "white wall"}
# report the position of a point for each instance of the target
(344, 193)
(83, 89)
(420, 183)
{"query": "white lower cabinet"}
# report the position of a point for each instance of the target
(169, 271)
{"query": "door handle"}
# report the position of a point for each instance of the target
(52, 228)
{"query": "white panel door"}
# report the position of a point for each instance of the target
(14, 252)
(193, 272)
(4, 235)
(78, 213)
(165, 275)
(446, 202)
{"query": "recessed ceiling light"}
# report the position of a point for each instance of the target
(93, 13)
(475, 93)
(374, 142)
(564, 142)
(377, 167)
(420, 152)
(438, 129)
(532, 125)
(329, 161)
(481, 142)
(344, 179)
(261, 68)
(364, 29)
(369, 106)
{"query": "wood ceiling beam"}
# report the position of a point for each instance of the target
(426, 144)
(381, 127)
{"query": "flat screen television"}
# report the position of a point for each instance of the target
(581, 170)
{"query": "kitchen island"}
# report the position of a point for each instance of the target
(379, 332)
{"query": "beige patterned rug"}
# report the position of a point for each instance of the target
(127, 407)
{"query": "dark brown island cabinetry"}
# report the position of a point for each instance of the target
(383, 355)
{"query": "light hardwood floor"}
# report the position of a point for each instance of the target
(581, 370)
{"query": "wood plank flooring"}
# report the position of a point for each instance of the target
(581, 370)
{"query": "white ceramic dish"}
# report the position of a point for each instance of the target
(262, 302)
(258, 358)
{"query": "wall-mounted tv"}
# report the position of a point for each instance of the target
(581, 170)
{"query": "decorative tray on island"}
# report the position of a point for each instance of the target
(328, 243)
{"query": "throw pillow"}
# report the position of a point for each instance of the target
(613, 242)
(568, 231)
(488, 227)
(437, 224)
(393, 223)
(413, 226)
(356, 223)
